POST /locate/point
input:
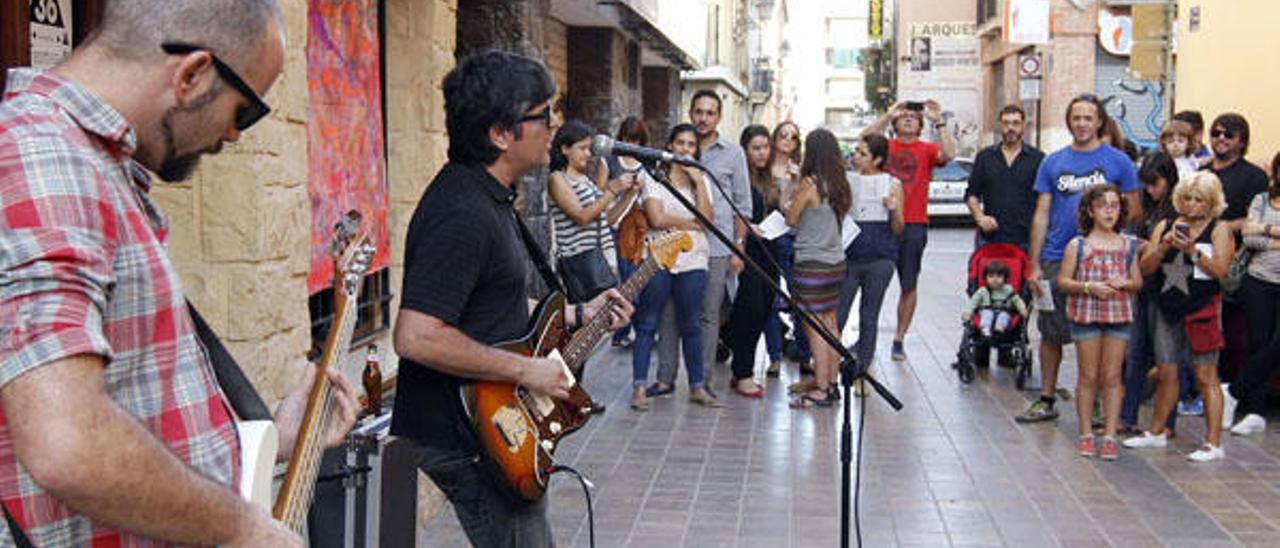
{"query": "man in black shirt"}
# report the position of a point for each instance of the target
(1002, 180)
(464, 289)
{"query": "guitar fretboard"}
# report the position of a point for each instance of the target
(579, 348)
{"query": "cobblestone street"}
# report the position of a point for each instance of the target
(953, 468)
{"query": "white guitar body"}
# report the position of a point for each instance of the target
(259, 441)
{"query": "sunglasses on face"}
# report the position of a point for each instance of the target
(1219, 132)
(249, 113)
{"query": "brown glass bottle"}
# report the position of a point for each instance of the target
(372, 379)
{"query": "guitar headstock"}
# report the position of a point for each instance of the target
(666, 249)
(352, 254)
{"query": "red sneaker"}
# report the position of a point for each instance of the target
(1086, 446)
(1110, 450)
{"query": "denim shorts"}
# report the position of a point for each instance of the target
(1085, 331)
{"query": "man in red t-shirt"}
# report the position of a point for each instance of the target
(912, 161)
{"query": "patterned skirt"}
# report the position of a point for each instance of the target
(817, 285)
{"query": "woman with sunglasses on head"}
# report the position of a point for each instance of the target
(683, 283)
(816, 211)
(753, 304)
(784, 164)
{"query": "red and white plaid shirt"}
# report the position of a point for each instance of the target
(83, 270)
(1097, 266)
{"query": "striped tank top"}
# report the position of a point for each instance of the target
(571, 238)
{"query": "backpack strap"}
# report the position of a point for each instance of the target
(19, 536)
(539, 258)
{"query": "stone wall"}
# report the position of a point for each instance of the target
(241, 232)
(600, 94)
(660, 87)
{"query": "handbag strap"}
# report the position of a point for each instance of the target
(539, 258)
(19, 536)
(241, 394)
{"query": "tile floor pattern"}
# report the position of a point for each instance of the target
(951, 469)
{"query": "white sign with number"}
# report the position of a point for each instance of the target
(50, 32)
(1029, 89)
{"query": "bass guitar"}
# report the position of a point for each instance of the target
(352, 255)
(519, 428)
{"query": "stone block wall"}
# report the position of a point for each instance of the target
(660, 87)
(599, 94)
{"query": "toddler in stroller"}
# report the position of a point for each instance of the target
(997, 312)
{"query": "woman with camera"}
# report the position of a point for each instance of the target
(1190, 254)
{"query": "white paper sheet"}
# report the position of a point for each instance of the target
(774, 225)
(868, 198)
(1044, 300)
(1206, 249)
(848, 231)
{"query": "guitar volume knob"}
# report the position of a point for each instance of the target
(555, 427)
(548, 445)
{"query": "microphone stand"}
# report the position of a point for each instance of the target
(850, 367)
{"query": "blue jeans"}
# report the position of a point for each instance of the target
(685, 290)
(872, 278)
(773, 336)
(625, 270)
(786, 259)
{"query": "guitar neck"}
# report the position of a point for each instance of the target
(294, 500)
(579, 348)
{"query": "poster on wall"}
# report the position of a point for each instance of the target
(347, 165)
(944, 66)
(1026, 22)
(50, 32)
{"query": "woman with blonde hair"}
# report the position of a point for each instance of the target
(1186, 258)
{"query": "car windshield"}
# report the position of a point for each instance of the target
(953, 171)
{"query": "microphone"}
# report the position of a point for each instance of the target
(603, 145)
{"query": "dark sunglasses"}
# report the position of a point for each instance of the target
(543, 116)
(1218, 132)
(249, 113)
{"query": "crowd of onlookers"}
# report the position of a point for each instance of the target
(1139, 260)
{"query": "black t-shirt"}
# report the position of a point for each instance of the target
(465, 265)
(1007, 191)
(1241, 181)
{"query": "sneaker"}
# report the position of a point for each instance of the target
(899, 353)
(1038, 412)
(1147, 439)
(1252, 423)
(1194, 408)
(1109, 449)
(1086, 446)
(1206, 453)
(1228, 406)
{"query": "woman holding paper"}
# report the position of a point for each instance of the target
(753, 304)
(816, 211)
(870, 259)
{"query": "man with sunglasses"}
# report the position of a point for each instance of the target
(464, 290)
(1241, 181)
(115, 431)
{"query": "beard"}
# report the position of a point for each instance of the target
(177, 168)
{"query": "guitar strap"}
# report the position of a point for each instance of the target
(539, 258)
(244, 399)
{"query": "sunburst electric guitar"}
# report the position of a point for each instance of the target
(519, 428)
(352, 255)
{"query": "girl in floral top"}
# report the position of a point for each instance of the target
(1100, 274)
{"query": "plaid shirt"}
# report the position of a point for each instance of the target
(83, 270)
(1097, 266)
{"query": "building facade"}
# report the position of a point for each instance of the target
(937, 58)
(828, 40)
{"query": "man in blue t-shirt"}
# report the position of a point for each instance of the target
(1061, 180)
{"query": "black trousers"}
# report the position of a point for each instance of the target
(1261, 302)
(751, 309)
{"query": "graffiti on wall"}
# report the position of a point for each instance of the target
(344, 142)
(1136, 105)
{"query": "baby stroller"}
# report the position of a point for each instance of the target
(1012, 345)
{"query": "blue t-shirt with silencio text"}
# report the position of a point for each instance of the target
(1066, 174)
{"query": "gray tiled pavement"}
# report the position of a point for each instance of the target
(951, 469)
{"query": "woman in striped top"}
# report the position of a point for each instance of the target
(582, 209)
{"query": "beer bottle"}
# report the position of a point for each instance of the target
(372, 379)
